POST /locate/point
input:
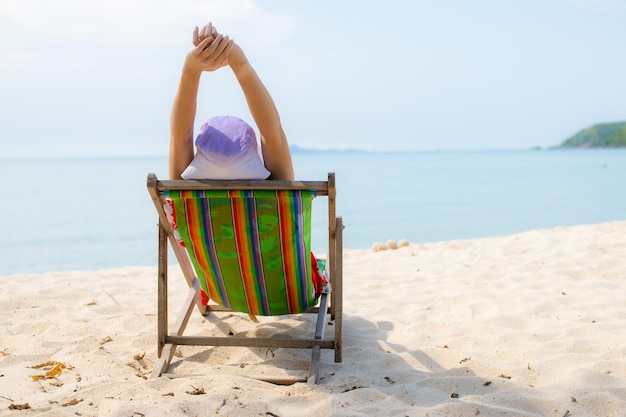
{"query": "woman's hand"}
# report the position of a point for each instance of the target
(211, 50)
(201, 34)
(236, 58)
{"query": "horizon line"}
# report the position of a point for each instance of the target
(295, 149)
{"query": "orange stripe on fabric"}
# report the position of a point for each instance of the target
(244, 250)
(288, 250)
(194, 226)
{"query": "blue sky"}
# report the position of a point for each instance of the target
(84, 77)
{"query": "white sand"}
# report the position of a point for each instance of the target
(525, 325)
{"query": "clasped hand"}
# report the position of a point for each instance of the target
(211, 49)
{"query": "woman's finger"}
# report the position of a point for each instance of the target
(202, 46)
(220, 55)
(222, 45)
(207, 30)
(209, 49)
(223, 58)
(195, 38)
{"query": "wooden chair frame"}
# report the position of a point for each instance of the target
(168, 341)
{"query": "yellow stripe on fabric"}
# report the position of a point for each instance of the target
(300, 203)
(217, 290)
(271, 253)
(245, 231)
(187, 224)
(193, 224)
(251, 250)
(288, 235)
(226, 248)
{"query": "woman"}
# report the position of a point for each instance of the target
(226, 145)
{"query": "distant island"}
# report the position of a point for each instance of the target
(300, 149)
(603, 135)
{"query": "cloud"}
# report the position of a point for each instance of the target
(139, 22)
(89, 34)
(104, 71)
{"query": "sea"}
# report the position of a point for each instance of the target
(78, 214)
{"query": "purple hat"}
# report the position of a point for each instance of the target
(226, 150)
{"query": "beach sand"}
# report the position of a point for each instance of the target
(525, 325)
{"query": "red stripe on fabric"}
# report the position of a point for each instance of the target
(244, 250)
(286, 231)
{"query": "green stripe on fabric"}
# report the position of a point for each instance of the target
(192, 206)
(226, 248)
(269, 231)
(299, 263)
(183, 215)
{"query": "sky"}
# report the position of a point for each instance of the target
(84, 77)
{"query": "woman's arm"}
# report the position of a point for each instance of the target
(209, 54)
(181, 123)
(276, 153)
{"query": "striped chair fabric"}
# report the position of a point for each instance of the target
(250, 249)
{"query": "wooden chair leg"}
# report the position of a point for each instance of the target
(167, 353)
(165, 350)
(319, 335)
(338, 291)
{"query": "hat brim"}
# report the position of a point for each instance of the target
(246, 167)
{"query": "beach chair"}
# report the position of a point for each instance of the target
(244, 246)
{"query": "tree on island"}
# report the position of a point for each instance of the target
(603, 135)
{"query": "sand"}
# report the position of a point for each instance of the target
(525, 325)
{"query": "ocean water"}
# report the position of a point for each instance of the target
(90, 214)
